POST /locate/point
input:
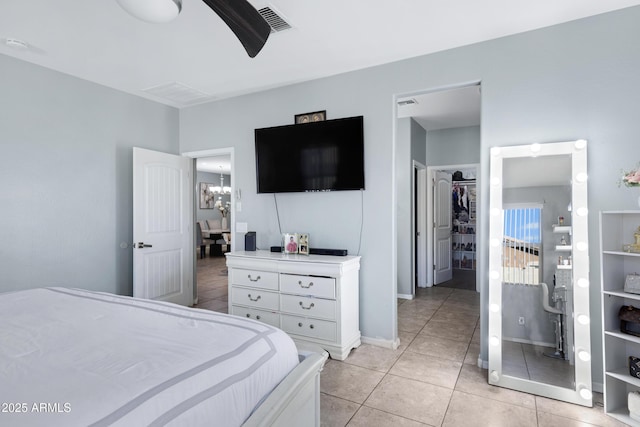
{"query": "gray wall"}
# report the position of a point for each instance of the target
(63, 222)
(407, 129)
(575, 80)
(66, 177)
(211, 178)
(455, 146)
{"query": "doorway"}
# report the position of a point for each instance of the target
(444, 130)
(454, 238)
(215, 206)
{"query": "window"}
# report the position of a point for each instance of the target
(521, 245)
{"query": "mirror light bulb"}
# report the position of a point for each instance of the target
(583, 283)
(581, 246)
(582, 211)
(495, 181)
(494, 341)
(494, 275)
(495, 212)
(584, 355)
(585, 393)
(494, 308)
(495, 242)
(580, 144)
(581, 177)
(583, 319)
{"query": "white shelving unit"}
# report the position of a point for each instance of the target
(617, 229)
(464, 247)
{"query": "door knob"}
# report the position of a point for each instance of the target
(143, 245)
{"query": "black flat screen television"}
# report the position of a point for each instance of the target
(318, 156)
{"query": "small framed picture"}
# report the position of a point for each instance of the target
(290, 241)
(316, 116)
(303, 244)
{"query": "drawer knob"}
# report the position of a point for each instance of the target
(306, 308)
(253, 280)
(254, 299)
(300, 324)
(303, 286)
(248, 315)
(311, 326)
(257, 317)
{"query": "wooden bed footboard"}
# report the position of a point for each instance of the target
(296, 400)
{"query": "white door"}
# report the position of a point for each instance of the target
(442, 263)
(421, 226)
(162, 227)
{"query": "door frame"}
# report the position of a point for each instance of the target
(419, 225)
(430, 208)
(213, 152)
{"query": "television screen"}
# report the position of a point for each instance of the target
(318, 156)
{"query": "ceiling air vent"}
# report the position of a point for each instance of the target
(404, 102)
(179, 93)
(276, 21)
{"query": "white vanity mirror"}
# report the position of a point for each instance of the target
(539, 336)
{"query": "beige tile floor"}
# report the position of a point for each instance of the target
(432, 379)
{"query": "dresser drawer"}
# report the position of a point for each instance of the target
(268, 317)
(322, 287)
(254, 278)
(314, 328)
(257, 298)
(305, 306)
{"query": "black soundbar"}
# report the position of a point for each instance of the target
(317, 251)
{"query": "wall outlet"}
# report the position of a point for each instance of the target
(521, 320)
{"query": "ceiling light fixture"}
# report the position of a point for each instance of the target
(153, 11)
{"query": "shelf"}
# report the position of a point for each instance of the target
(564, 229)
(622, 414)
(622, 294)
(564, 267)
(622, 374)
(463, 251)
(563, 248)
(622, 253)
(624, 337)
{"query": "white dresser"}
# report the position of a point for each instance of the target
(315, 298)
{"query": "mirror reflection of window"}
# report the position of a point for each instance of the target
(521, 245)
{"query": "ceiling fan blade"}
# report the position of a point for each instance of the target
(245, 22)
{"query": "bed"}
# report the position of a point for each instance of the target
(75, 357)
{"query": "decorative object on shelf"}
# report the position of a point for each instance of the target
(629, 320)
(560, 220)
(316, 116)
(630, 178)
(632, 283)
(303, 244)
(206, 196)
(634, 247)
(290, 243)
(634, 366)
(633, 403)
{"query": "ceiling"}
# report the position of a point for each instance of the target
(444, 109)
(217, 164)
(197, 56)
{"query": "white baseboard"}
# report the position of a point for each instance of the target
(405, 296)
(379, 342)
(597, 387)
(484, 364)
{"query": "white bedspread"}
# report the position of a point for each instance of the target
(80, 358)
